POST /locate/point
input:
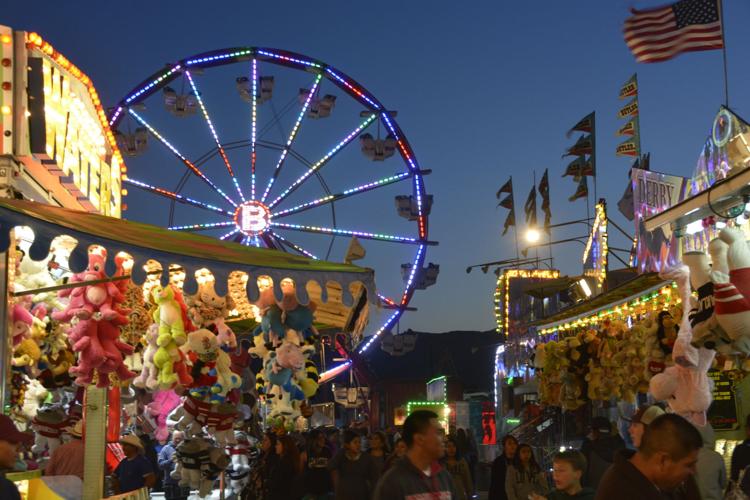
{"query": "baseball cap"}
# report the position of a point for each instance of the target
(646, 414)
(9, 432)
(601, 424)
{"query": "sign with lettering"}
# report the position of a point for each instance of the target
(723, 411)
(653, 193)
(67, 135)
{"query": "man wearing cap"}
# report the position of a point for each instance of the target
(134, 471)
(640, 419)
(67, 460)
(10, 438)
(600, 450)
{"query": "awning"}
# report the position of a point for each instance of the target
(645, 283)
(145, 242)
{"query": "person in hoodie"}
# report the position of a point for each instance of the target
(599, 450)
(418, 474)
(711, 474)
(567, 470)
(500, 468)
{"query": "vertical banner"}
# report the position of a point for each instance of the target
(653, 193)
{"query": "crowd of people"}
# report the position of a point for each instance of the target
(670, 458)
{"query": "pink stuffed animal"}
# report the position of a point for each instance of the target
(162, 405)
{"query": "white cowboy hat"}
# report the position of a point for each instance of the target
(132, 440)
(75, 430)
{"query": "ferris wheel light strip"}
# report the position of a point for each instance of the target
(388, 324)
(352, 88)
(289, 59)
(345, 232)
(255, 126)
(206, 225)
(385, 299)
(334, 372)
(296, 247)
(349, 192)
(290, 140)
(214, 134)
(179, 155)
(415, 168)
(151, 85)
(174, 196)
(115, 115)
(230, 233)
(218, 57)
(323, 160)
(414, 268)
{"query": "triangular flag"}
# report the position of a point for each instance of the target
(583, 146)
(507, 202)
(530, 207)
(506, 188)
(355, 251)
(510, 220)
(582, 190)
(574, 167)
(585, 124)
(629, 129)
(544, 189)
(630, 109)
(627, 148)
(629, 88)
(625, 205)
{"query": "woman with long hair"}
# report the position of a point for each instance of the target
(317, 479)
(459, 469)
(524, 476)
(379, 451)
(258, 486)
(283, 477)
(500, 468)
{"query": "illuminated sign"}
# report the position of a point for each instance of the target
(252, 218)
(502, 292)
(595, 254)
(68, 130)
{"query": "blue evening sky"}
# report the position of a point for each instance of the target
(483, 90)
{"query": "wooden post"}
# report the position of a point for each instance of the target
(95, 441)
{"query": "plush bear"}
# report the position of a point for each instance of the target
(206, 306)
(35, 275)
(218, 461)
(33, 397)
(149, 376)
(220, 423)
(224, 334)
(211, 372)
(48, 426)
(732, 290)
(239, 472)
(26, 352)
(191, 457)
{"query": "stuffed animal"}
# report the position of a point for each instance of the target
(171, 364)
(33, 397)
(191, 457)
(114, 350)
(239, 472)
(163, 404)
(48, 426)
(732, 290)
(224, 335)
(170, 315)
(218, 461)
(206, 306)
(149, 376)
(220, 424)
(211, 372)
(35, 275)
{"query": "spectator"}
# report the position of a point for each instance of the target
(378, 451)
(317, 480)
(67, 459)
(640, 419)
(741, 453)
(172, 490)
(354, 473)
(667, 457)
(459, 470)
(500, 468)
(712, 474)
(418, 475)
(150, 453)
(600, 450)
(134, 471)
(399, 451)
(10, 439)
(567, 470)
(287, 470)
(258, 484)
(524, 477)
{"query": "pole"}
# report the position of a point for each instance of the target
(724, 52)
(637, 120)
(593, 153)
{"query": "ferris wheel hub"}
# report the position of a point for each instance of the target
(252, 218)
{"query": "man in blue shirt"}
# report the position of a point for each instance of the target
(172, 490)
(134, 471)
(10, 438)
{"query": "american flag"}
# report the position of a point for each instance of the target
(658, 34)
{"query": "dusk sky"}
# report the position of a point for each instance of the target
(483, 90)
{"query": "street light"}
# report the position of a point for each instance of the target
(533, 235)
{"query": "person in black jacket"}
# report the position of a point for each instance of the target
(500, 468)
(741, 454)
(600, 450)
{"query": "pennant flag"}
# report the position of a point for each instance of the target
(579, 167)
(625, 205)
(544, 193)
(645, 162)
(627, 130)
(630, 109)
(507, 202)
(585, 124)
(627, 148)
(530, 207)
(629, 88)
(506, 188)
(583, 146)
(582, 191)
(510, 220)
(661, 33)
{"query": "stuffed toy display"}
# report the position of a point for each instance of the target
(33, 275)
(239, 471)
(163, 404)
(732, 288)
(191, 457)
(173, 324)
(149, 376)
(48, 427)
(192, 415)
(211, 372)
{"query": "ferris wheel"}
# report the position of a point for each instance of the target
(275, 149)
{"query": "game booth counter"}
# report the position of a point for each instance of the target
(184, 291)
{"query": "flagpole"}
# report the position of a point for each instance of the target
(515, 225)
(637, 120)
(536, 250)
(724, 52)
(593, 151)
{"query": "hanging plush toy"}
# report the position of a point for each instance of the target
(191, 457)
(732, 289)
(48, 426)
(239, 472)
(173, 323)
(35, 275)
(211, 372)
(163, 404)
(149, 376)
(26, 352)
